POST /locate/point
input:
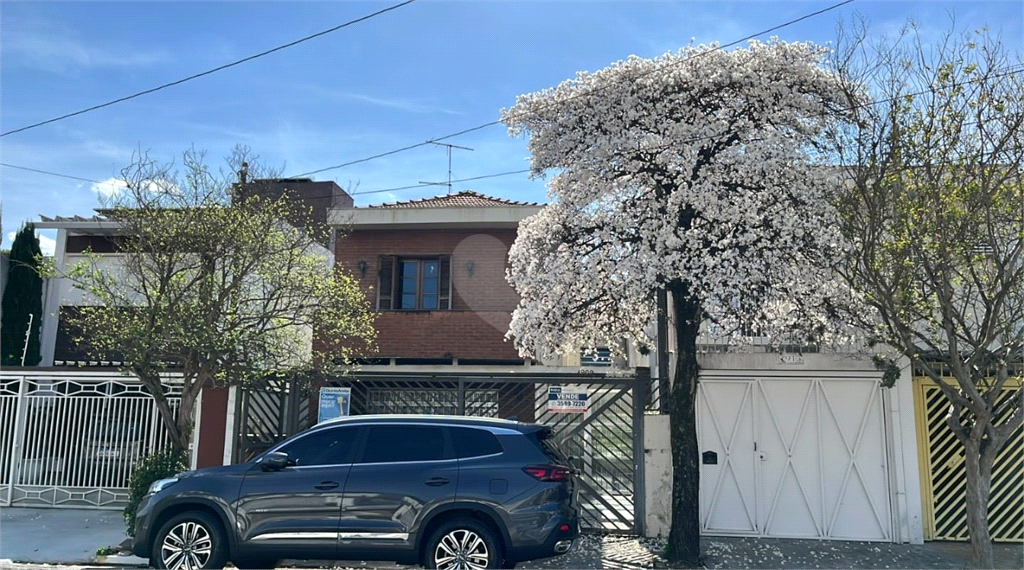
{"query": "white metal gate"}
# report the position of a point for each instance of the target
(794, 457)
(72, 439)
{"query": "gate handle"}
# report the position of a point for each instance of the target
(437, 481)
(327, 485)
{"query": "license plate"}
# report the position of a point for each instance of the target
(108, 453)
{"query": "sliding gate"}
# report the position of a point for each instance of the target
(605, 440)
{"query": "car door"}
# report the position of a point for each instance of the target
(294, 512)
(404, 471)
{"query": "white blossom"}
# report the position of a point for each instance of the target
(694, 167)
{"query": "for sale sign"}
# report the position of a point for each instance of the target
(567, 399)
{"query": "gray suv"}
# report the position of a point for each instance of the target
(447, 492)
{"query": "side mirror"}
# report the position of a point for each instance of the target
(274, 461)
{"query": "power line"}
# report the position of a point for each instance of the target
(1004, 73)
(48, 172)
(214, 70)
(424, 185)
(592, 91)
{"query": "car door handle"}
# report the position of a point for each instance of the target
(327, 485)
(437, 481)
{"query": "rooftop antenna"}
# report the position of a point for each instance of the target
(449, 183)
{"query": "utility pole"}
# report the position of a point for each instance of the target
(449, 183)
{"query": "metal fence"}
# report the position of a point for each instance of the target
(73, 439)
(605, 441)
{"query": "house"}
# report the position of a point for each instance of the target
(799, 443)
(78, 423)
(434, 270)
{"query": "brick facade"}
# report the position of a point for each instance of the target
(482, 301)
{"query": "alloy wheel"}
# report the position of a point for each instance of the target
(461, 550)
(187, 546)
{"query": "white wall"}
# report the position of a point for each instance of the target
(904, 474)
(657, 476)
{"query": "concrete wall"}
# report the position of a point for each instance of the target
(657, 476)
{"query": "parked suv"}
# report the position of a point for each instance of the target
(445, 492)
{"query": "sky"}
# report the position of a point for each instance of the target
(412, 74)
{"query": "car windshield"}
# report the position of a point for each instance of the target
(113, 430)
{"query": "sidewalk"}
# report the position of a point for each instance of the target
(64, 536)
(30, 537)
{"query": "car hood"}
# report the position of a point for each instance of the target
(218, 471)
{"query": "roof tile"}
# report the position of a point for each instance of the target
(464, 199)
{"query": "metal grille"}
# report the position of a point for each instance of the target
(74, 439)
(430, 401)
(946, 480)
(269, 412)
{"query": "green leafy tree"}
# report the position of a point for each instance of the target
(211, 281)
(23, 296)
(935, 214)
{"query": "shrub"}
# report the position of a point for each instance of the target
(161, 465)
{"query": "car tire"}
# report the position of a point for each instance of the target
(255, 563)
(466, 540)
(195, 535)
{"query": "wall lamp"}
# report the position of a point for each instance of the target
(469, 268)
(362, 268)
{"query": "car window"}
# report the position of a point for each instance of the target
(324, 447)
(544, 440)
(386, 444)
(474, 442)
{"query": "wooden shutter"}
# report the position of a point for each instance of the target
(385, 282)
(444, 283)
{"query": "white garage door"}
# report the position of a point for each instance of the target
(793, 457)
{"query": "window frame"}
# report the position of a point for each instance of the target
(390, 277)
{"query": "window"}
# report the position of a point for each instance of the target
(596, 357)
(325, 447)
(473, 442)
(389, 444)
(414, 283)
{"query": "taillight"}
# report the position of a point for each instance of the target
(548, 472)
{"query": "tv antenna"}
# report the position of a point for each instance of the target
(449, 183)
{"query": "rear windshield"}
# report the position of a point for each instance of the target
(546, 443)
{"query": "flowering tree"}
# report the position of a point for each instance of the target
(692, 173)
(935, 210)
(211, 280)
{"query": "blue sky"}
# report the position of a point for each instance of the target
(418, 72)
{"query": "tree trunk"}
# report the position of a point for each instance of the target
(684, 535)
(178, 433)
(979, 486)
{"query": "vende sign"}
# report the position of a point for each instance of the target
(567, 399)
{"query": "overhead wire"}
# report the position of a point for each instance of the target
(587, 93)
(210, 71)
(1004, 73)
(49, 172)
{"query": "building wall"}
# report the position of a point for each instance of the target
(482, 301)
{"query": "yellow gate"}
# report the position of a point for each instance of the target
(943, 479)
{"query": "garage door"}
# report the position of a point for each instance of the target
(793, 457)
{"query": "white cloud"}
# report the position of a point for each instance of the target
(52, 50)
(109, 187)
(46, 244)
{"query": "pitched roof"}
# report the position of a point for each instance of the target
(99, 218)
(464, 199)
